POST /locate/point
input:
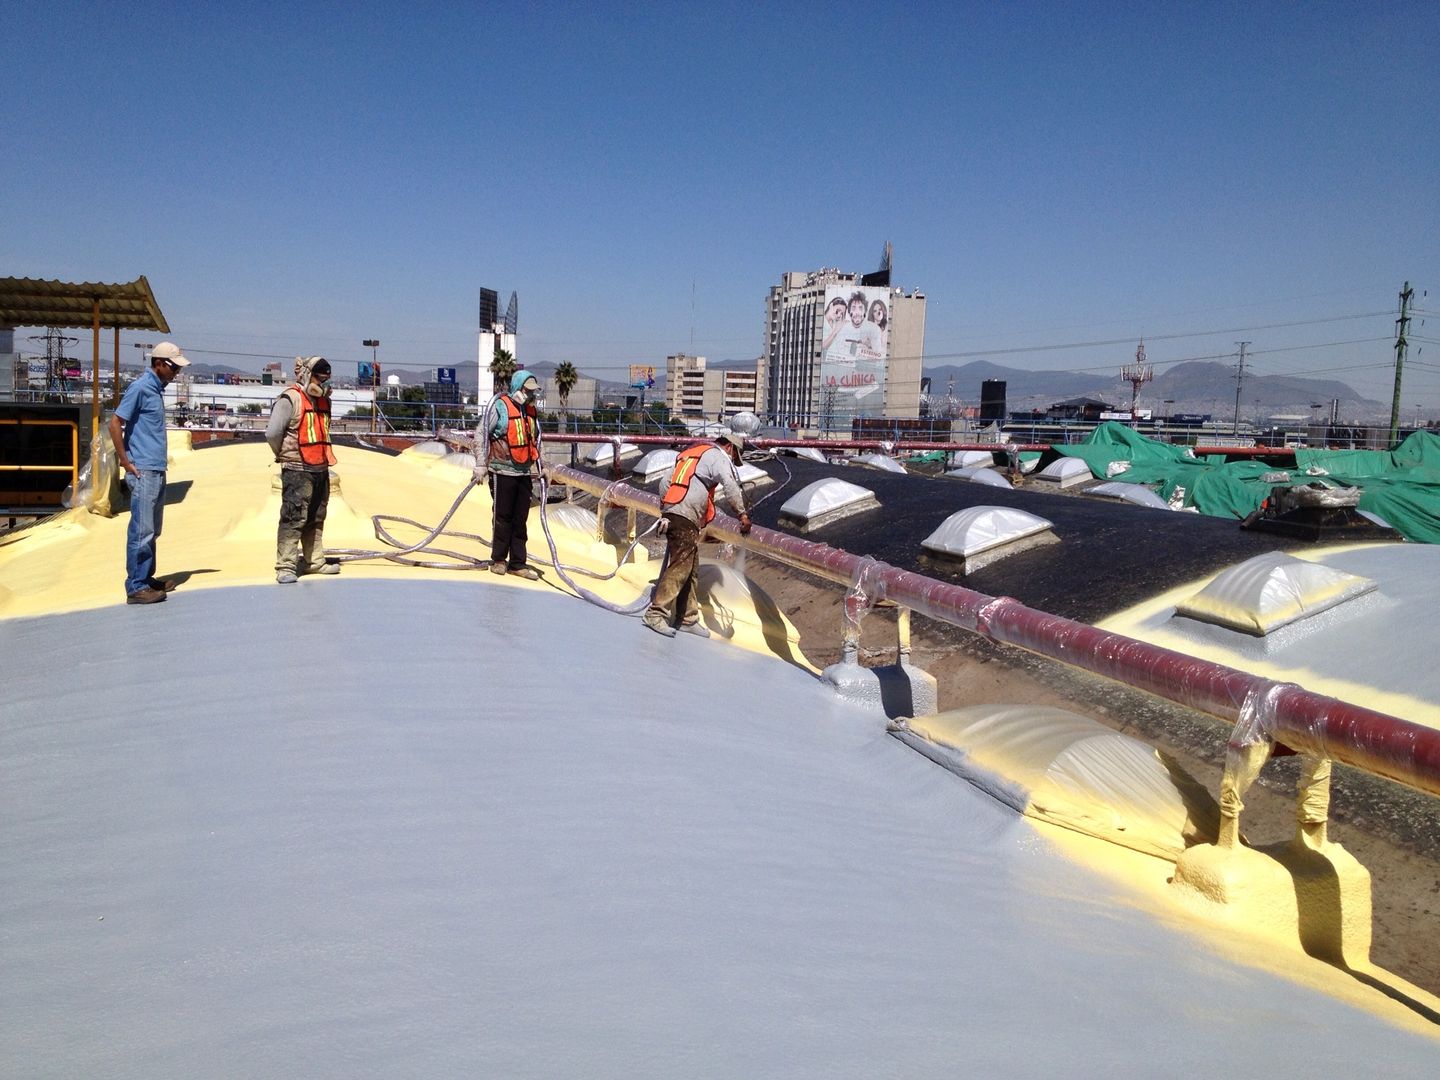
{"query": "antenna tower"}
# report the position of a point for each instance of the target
(56, 362)
(1135, 374)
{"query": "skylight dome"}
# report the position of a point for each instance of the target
(1138, 494)
(752, 474)
(1267, 592)
(809, 453)
(655, 464)
(824, 502)
(980, 474)
(883, 462)
(965, 459)
(981, 535)
(1065, 471)
(604, 453)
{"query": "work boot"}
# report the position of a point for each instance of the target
(498, 567)
(146, 596)
(655, 621)
(529, 573)
(327, 568)
(697, 628)
(161, 584)
(286, 577)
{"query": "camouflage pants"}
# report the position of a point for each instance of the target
(678, 585)
(304, 497)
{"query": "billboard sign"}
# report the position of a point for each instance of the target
(642, 374)
(855, 349)
(368, 374)
(445, 375)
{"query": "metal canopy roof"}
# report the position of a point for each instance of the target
(32, 302)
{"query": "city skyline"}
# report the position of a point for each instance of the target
(1049, 180)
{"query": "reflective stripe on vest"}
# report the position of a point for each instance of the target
(520, 443)
(686, 462)
(313, 430)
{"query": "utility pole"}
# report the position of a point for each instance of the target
(1239, 383)
(1402, 324)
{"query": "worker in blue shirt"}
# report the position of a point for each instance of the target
(137, 429)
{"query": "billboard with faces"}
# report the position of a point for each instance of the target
(854, 349)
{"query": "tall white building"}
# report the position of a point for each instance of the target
(838, 349)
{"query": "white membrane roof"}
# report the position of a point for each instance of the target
(379, 828)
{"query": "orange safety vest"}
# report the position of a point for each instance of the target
(520, 444)
(313, 433)
(686, 462)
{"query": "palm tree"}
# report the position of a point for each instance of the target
(502, 367)
(565, 379)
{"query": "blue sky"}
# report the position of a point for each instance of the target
(293, 178)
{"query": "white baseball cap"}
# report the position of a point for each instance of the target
(168, 350)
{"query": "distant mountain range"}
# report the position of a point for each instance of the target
(1197, 386)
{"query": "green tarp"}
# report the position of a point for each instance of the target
(1402, 485)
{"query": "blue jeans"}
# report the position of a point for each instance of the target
(147, 512)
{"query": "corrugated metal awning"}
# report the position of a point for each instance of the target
(32, 302)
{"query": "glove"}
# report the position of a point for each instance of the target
(662, 527)
(744, 524)
(479, 473)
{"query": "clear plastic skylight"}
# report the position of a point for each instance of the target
(1267, 592)
(965, 459)
(967, 533)
(656, 463)
(980, 474)
(1138, 494)
(883, 462)
(825, 501)
(752, 474)
(809, 453)
(604, 453)
(1065, 471)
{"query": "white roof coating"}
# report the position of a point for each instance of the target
(883, 462)
(602, 453)
(1270, 591)
(824, 497)
(980, 528)
(980, 474)
(1138, 494)
(655, 463)
(520, 837)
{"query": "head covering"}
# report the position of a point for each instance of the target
(168, 350)
(305, 368)
(734, 438)
(520, 378)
